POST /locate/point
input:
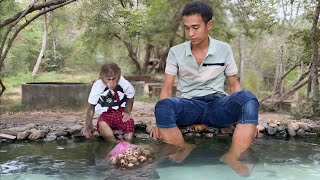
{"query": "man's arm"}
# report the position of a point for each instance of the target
(166, 90)
(88, 124)
(234, 84)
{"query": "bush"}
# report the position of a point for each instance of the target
(307, 109)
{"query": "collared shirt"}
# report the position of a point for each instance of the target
(207, 78)
(98, 90)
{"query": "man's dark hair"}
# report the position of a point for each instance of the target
(199, 7)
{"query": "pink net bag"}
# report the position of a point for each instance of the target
(121, 148)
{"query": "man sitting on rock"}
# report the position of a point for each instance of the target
(201, 65)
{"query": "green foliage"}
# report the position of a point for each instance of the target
(307, 109)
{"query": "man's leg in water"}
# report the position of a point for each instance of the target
(247, 106)
(171, 112)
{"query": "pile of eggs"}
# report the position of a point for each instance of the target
(131, 157)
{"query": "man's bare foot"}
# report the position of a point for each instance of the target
(182, 153)
(235, 164)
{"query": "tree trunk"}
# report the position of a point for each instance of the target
(315, 54)
(241, 66)
(43, 47)
(147, 56)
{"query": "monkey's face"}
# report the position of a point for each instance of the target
(111, 81)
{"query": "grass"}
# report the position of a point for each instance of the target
(14, 82)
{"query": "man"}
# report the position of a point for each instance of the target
(201, 66)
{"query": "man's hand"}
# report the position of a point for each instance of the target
(155, 133)
(87, 132)
(126, 117)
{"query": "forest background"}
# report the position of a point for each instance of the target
(275, 44)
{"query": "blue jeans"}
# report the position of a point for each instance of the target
(215, 110)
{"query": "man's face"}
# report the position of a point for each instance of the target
(196, 29)
(110, 81)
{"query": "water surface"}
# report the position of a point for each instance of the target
(69, 159)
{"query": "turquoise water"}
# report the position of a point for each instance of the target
(69, 159)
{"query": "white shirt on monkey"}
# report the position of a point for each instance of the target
(99, 89)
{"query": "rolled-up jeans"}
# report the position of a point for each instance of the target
(216, 110)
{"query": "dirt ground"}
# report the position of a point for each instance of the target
(142, 112)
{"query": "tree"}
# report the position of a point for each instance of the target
(13, 25)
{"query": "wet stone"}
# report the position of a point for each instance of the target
(142, 136)
(281, 128)
(301, 132)
(315, 128)
(212, 130)
(18, 129)
(273, 125)
(185, 129)
(208, 135)
(31, 126)
(282, 134)
(291, 131)
(45, 128)
(61, 132)
(62, 140)
(310, 134)
(198, 134)
(295, 126)
(271, 130)
(226, 131)
(190, 134)
(23, 135)
(51, 136)
(304, 126)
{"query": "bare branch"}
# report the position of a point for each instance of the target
(31, 9)
(3, 56)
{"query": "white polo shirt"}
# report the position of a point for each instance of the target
(98, 90)
(209, 77)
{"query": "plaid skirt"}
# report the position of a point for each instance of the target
(114, 120)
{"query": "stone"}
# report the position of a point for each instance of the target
(198, 134)
(23, 135)
(61, 132)
(208, 135)
(260, 128)
(282, 134)
(315, 128)
(271, 130)
(301, 132)
(36, 134)
(281, 128)
(18, 129)
(142, 136)
(310, 134)
(9, 132)
(7, 136)
(295, 126)
(212, 130)
(51, 136)
(304, 126)
(45, 128)
(284, 122)
(291, 131)
(273, 125)
(31, 126)
(190, 134)
(74, 129)
(199, 127)
(226, 131)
